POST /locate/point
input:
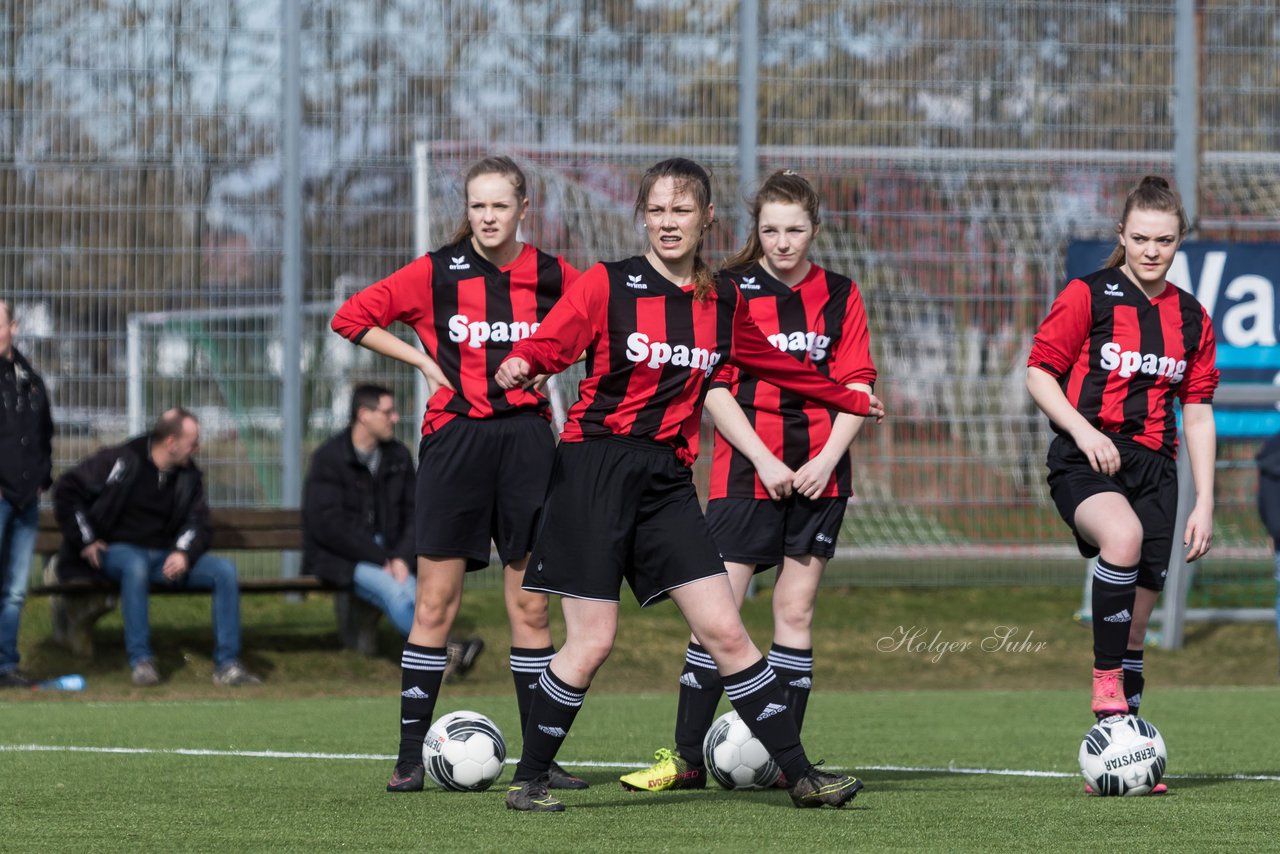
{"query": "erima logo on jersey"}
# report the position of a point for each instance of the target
(1129, 362)
(476, 332)
(635, 282)
(689, 680)
(553, 731)
(1113, 290)
(658, 353)
(771, 710)
(415, 693)
(460, 263)
(802, 342)
(748, 283)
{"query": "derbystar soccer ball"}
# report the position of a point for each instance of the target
(1122, 755)
(735, 757)
(464, 752)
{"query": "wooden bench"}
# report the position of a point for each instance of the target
(77, 605)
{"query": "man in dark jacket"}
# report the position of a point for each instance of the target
(26, 443)
(357, 509)
(136, 514)
(1269, 504)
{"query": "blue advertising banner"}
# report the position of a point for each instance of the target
(1237, 285)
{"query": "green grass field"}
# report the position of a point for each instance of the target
(979, 755)
(978, 770)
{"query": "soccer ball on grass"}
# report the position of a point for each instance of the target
(464, 752)
(735, 757)
(1123, 755)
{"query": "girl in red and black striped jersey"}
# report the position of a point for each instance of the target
(656, 328)
(780, 475)
(486, 451)
(1117, 348)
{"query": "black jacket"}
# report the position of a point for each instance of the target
(87, 501)
(1269, 486)
(26, 433)
(341, 506)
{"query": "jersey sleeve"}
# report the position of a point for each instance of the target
(1202, 374)
(727, 377)
(752, 351)
(570, 325)
(851, 362)
(1064, 330)
(403, 296)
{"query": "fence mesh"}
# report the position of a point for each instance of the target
(957, 147)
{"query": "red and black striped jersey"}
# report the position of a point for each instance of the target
(468, 315)
(1121, 358)
(820, 322)
(652, 350)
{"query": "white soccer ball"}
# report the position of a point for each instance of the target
(464, 752)
(735, 757)
(1123, 755)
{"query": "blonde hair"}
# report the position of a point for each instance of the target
(497, 164)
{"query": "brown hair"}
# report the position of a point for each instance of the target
(1153, 193)
(691, 178)
(171, 423)
(496, 164)
(783, 187)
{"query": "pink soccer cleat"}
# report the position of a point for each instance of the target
(1108, 693)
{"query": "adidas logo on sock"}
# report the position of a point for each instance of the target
(1123, 617)
(771, 710)
(553, 731)
(689, 680)
(803, 682)
(415, 693)
(1135, 700)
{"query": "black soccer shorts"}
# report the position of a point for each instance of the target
(1149, 481)
(761, 531)
(481, 480)
(620, 508)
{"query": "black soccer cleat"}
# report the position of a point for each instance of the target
(406, 778)
(818, 788)
(532, 796)
(562, 779)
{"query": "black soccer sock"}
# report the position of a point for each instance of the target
(555, 705)
(1113, 593)
(421, 671)
(1133, 679)
(526, 666)
(794, 668)
(757, 697)
(700, 689)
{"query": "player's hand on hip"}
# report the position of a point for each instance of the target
(511, 373)
(1099, 451)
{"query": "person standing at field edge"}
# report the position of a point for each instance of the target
(26, 451)
(1118, 347)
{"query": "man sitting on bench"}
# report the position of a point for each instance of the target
(136, 514)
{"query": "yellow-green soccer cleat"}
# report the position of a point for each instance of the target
(818, 788)
(532, 796)
(670, 771)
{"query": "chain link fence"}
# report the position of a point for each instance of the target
(958, 146)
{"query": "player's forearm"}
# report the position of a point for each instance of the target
(1048, 395)
(844, 429)
(1201, 440)
(732, 423)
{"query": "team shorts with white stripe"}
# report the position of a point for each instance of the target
(761, 531)
(1149, 481)
(620, 508)
(481, 480)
